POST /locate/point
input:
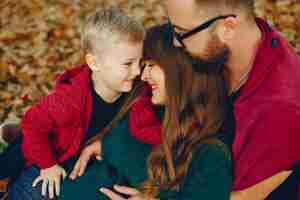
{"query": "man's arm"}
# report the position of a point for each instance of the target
(268, 146)
(261, 190)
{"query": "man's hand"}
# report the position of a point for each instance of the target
(51, 178)
(132, 192)
(94, 149)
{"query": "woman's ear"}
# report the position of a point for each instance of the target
(91, 61)
(227, 29)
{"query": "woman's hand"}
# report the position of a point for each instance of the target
(132, 192)
(94, 149)
(51, 178)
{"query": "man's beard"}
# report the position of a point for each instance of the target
(215, 58)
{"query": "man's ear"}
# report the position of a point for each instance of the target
(91, 61)
(227, 29)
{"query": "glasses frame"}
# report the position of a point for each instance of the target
(182, 36)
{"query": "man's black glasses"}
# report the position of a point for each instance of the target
(181, 36)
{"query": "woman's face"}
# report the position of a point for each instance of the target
(118, 66)
(155, 77)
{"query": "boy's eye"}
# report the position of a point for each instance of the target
(128, 64)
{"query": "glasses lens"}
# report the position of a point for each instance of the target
(175, 35)
(179, 39)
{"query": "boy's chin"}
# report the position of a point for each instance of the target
(126, 88)
(156, 101)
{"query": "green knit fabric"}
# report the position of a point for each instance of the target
(209, 176)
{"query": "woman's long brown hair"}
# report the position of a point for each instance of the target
(194, 111)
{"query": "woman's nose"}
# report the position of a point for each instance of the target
(145, 74)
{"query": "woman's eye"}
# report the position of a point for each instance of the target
(150, 65)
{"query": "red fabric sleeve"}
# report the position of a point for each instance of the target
(270, 146)
(144, 125)
(39, 123)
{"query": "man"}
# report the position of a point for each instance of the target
(263, 75)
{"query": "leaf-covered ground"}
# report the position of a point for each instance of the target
(40, 38)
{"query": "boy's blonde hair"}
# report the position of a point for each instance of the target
(108, 26)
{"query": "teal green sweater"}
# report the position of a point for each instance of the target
(209, 176)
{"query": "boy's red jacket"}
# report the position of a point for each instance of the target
(54, 128)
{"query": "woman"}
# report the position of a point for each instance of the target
(192, 163)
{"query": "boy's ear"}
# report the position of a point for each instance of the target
(91, 61)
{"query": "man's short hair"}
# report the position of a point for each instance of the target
(246, 5)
